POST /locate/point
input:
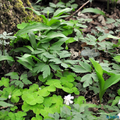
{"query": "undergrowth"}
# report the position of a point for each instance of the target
(50, 84)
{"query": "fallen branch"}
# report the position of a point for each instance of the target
(77, 10)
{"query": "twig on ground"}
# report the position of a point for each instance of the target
(77, 10)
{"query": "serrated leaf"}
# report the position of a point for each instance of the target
(87, 80)
(13, 75)
(4, 81)
(56, 60)
(46, 71)
(85, 65)
(79, 69)
(54, 67)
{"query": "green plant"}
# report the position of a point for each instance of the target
(19, 81)
(80, 112)
(3, 37)
(39, 51)
(104, 85)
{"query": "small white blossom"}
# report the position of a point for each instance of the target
(9, 96)
(39, 88)
(118, 115)
(119, 102)
(67, 99)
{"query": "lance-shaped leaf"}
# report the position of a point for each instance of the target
(32, 40)
(33, 27)
(93, 10)
(9, 58)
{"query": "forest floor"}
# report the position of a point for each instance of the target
(98, 26)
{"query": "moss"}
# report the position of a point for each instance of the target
(28, 15)
(19, 6)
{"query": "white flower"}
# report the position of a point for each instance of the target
(9, 96)
(118, 115)
(67, 99)
(40, 88)
(119, 102)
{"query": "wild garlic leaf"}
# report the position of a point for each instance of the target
(51, 35)
(33, 27)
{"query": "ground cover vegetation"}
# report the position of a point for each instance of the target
(53, 70)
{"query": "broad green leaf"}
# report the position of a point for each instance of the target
(32, 40)
(117, 58)
(45, 20)
(27, 58)
(52, 35)
(27, 61)
(59, 12)
(70, 40)
(22, 25)
(30, 48)
(93, 10)
(48, 10)
(99, 72)
(33, 27)
(3, 98)
(36, 12)
(111, 36)
(25, 49)
(116, 100)
(111, 81)
(54, 22)
(9, 58)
